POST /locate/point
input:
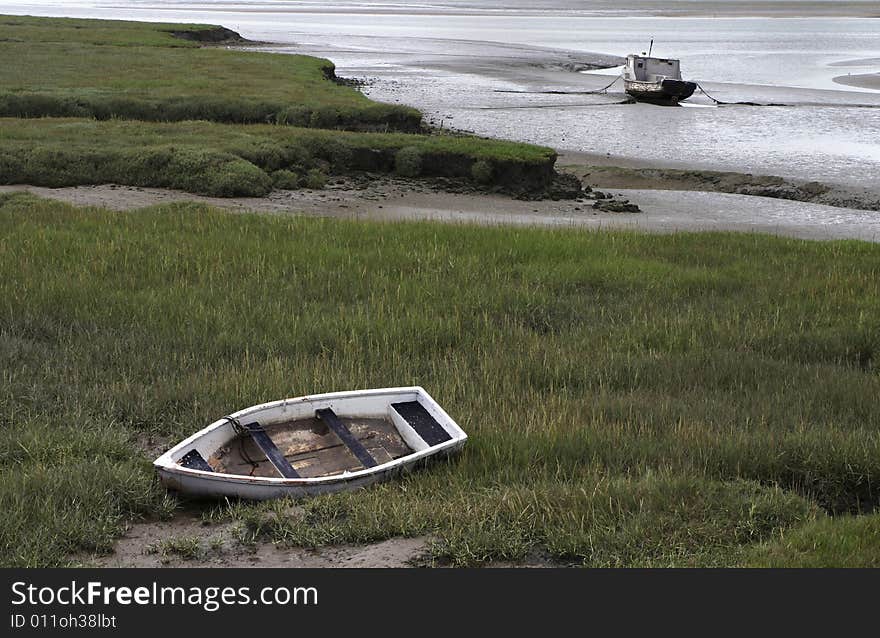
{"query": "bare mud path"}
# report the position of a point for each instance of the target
(185, 541)
(392, 199)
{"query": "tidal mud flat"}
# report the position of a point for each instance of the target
(525, 74)
(813, 145)
(602, 171)
(394, 199)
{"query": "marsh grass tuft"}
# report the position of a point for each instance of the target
(182, 548)
(845, 541)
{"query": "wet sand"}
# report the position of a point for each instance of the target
(606, 171)
(818, 134)
(862, 80)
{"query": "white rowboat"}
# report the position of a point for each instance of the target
(311, 445)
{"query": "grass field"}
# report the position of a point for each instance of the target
(111, 69)
(687, 399)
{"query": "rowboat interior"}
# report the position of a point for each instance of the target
(320, 445)
(312, 448)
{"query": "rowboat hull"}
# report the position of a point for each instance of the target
(370, 425)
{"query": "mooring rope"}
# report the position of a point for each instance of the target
(721, 103)
(627, 100)
(706, 93)
(604, 89)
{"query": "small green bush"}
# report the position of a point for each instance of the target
(294, 116)
(286, 180)
(330, 150)
(233, 178)
(842, 541)
(194, 170)
(408, 161)
(482, 172)
(315, 179)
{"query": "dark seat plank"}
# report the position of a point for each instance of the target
(265, 443)
(329, 417)
(422, 422)
(194, 461)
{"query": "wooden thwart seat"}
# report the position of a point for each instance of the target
(329, 417)
(265, 443)
(425, 425)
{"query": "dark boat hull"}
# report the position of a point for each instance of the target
(665, 93)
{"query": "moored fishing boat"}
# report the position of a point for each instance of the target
(655, 80)
(312, 445)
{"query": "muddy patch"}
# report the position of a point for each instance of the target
(214, 35)
(151, 444)
(635, 177)
(362, 196)
(188, 541)
(663, 210)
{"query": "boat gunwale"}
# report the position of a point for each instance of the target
(166, 464)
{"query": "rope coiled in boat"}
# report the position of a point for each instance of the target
(240, 432)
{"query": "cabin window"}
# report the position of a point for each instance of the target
(639, 65)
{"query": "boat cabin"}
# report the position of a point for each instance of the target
(641, 68)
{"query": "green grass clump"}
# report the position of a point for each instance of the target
(286, 180)
(482, 172)
(194, 170)
(845, 541)
(408, 161)
(630, 399)
(183, 548)
(141, 104)
(227, 160)
(314, 179)
(112, 69)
